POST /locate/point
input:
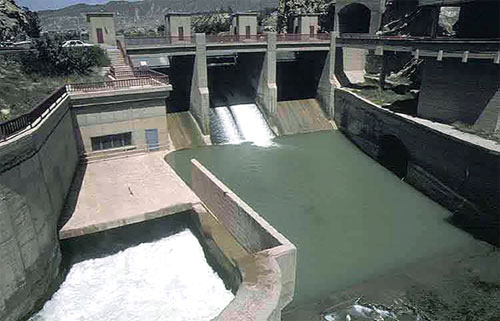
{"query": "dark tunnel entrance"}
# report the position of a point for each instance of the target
(393, 155)
(354, 18)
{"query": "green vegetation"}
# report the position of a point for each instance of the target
(288, 9)
(212, 23)
(21, 91)
(50, 59)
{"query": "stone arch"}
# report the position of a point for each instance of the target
(354, 18)
(393, 155)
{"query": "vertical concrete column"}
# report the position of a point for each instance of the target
(327, 82)
(200, 103)
(267, 91)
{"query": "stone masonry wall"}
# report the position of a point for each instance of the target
(36, 170)
(462, 176)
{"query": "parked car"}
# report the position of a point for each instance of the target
(6, 44)
(76, 43)
(24, 44)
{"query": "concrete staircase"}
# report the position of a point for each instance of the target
(117, 61)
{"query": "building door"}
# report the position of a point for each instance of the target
(311, 31)
(152, 139)
(100, 35)
(181, 33)
(247, 32)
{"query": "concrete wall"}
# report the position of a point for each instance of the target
(108, 113)
(107, 24)
(376, 7)
(36, 170)
(327, 81)
(269, 274)
(302, 24)
(173, 22)
(455, 91)
(240, 22)
(460, 175)
(200, 99)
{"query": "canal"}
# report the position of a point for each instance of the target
(352, 220)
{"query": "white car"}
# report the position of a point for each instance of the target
(76, 43)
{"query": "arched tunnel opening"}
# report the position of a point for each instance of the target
(393, 155)
(354, 18)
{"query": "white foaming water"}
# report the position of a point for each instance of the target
(252, 124)
(168, 279)
(224, 126)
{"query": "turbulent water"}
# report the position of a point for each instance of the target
(237, 123)
(168, 279)
(350, 218)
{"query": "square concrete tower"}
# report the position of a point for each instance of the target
(306, 24)
(102, 28)
(178, 26)
(244, 24)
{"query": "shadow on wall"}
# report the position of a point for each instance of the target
(393, 155)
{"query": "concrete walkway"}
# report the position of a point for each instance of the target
(113, 193)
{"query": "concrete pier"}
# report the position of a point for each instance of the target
(267, 91)
(200, 100)
(113, 193)
(327, 82)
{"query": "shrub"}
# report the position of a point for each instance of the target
(50, 59)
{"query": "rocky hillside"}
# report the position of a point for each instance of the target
(146, 13)
(11, 18)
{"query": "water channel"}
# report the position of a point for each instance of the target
(357, 227)
(159, 280)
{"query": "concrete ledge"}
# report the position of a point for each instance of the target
(268, 272)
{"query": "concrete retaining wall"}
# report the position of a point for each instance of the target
(458, 170)
(268, 274)
(455, 91)
(36, 170)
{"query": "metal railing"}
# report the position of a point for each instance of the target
(13, 126)
(162, 80)
(136, 72)
(297, 37)
(236, 38)
(126, 57)
(158, 40)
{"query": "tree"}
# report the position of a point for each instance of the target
(290, 8)
(32, 25)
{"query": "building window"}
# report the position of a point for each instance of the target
(111, 141)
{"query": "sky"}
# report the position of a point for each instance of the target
(36, 5)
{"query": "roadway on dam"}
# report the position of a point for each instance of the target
(116, 192)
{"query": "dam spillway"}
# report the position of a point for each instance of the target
(238, 123)
(149, 281)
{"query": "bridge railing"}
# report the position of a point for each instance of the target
(296, 37)
(13, 126)
(110, 85)
(158, 40)
(236, 38)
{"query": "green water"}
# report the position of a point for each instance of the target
(349, 217)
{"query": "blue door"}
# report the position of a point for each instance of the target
(152, 139)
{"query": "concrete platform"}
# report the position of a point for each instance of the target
(117, 192)
(301, 116)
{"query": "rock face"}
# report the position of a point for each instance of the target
(12, 18)
(146, 13)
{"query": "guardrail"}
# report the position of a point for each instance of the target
(292, 37)
(126, 57)
(135, 72)
(158, 40)
(236, 38)
(119, 84)
(13, 126)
